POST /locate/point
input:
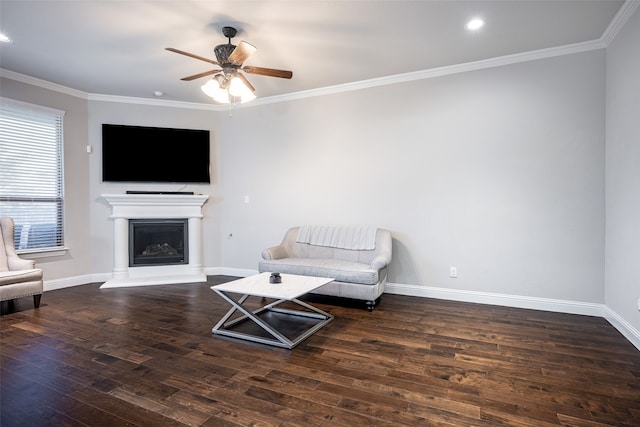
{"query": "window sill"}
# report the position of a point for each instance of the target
(43, 253)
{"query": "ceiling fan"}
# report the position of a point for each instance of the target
(229, 83)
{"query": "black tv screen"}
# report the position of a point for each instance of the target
(152, 154)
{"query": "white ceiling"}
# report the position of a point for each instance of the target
(116, 47)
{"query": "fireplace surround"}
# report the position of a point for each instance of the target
(127, 209)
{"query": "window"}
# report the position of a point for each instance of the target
(31, 187)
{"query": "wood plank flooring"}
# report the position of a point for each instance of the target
(145, 357)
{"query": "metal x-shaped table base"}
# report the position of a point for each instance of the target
(279, 339)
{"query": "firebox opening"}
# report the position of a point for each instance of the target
(158, 242)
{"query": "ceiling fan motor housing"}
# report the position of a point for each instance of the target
(222, 52)
(229, 32)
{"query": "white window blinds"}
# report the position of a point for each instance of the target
(31, 187)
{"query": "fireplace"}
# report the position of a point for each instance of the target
(168, 248)
(158, 242)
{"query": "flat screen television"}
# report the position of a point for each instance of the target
(153, 154)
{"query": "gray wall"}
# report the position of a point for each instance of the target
(77, 220)
(146, 115)
(499, 173)
(622, 282)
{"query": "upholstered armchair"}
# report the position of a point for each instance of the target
(18, 277)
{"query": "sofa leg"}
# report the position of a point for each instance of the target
(36, 300)
(371, 305)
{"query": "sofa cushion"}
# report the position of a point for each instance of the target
(339, 270)
(19, 276)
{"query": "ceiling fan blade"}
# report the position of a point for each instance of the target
(271, 72)
(192, 55)
(246, 82)
(241, 53)
(197, 76)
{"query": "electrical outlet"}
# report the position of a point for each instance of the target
(453, 272)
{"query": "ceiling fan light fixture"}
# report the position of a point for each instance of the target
(223, 90)
(210, 87)
(238, 89)
(216, 90)
(247, 97)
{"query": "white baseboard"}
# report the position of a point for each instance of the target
(223, 271)
(516, 301)
(626, 329)
(67, 282)
(534, 303)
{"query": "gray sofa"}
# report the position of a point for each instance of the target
(359, 268)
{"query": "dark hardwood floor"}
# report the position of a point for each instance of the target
(145, 356)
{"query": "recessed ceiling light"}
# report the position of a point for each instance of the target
(475, 24)
(158, 93)
(4, 38)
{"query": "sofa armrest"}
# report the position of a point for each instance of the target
(274, 252)
(381, 261)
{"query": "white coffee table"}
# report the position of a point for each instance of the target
(281, 327)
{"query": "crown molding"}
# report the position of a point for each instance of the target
(618, 21)
(156, 102)
(342, 88)
(43, 83)
(440, 71)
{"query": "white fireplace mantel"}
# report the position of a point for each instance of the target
(155, 206)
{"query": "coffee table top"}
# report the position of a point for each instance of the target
(292, 286)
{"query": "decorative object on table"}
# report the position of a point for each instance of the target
(275, 278)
